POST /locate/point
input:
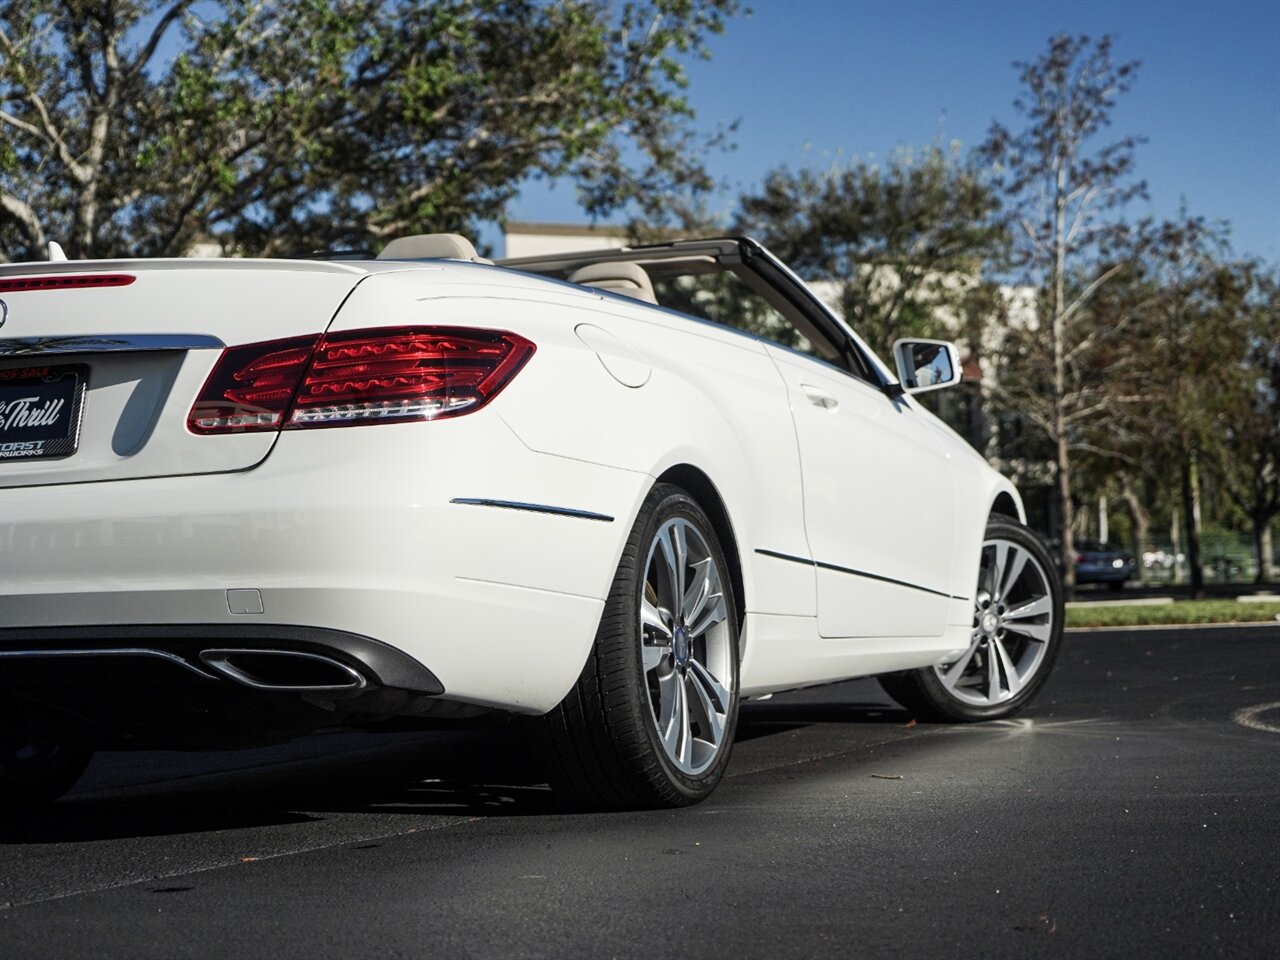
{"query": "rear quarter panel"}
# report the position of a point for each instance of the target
(713, 400)
(681, 392)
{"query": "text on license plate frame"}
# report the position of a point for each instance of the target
(41, 409)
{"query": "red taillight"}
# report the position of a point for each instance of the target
(363, 376)
(251, 387)
(72, 281)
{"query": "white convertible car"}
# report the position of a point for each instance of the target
(619, 491)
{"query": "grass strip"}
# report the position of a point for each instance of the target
(1180, 611)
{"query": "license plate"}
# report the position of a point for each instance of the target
(40, 409)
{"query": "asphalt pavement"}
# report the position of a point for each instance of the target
(1132, 811)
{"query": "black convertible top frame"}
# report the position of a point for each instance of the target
(752, 263)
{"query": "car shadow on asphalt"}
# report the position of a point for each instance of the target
(850, 701)
(461, 773)
(767, 719)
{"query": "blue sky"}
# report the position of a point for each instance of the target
(815, 81)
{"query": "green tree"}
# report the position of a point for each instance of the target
(1062, 191)
(136, 128)
(905, 240)
(1191, 343)
(1249, 459)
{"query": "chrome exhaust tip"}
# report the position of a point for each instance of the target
(284, 670)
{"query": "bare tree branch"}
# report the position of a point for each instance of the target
(148, 50)
(26, 218)
(25, 127)
(1076, 304)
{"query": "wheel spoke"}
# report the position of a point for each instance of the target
(998, 653)
(1031, 608)
(675, 552)
(655, 620)
(713, 719)
(951, 676)
(655, 636)
(685, 747)
(993, 673)
(675, 736)
(653, 654)
(713, 614)
(1010, 569)
(709, 688)
(1039, 632)
(668, 705)
(695, 598)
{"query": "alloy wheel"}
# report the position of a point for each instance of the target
(1012, 627)
(686, 646)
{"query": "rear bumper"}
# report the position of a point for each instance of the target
(340, 533)
(357, 662)
(188, 686)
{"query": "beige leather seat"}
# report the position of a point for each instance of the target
(624, 277)
(432, 246)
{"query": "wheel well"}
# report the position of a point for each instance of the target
(704, 491)
(1006, 506)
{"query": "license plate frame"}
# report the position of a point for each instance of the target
(41, 411)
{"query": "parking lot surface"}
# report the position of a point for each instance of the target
(1133, 810)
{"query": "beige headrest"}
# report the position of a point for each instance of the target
(431, 246)
(624, 277)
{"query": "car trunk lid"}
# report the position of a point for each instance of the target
(100, 361)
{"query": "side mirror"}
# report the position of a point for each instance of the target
(926, 364)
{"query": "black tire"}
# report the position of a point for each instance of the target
(971, 687)
(601, 745)
(33, 774)
(1116, 586)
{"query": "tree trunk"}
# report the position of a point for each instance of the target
(1141, 524)
(1175, 535)
(1059, 334)
(1064, 497)
(1191, 509)
(1262, 550)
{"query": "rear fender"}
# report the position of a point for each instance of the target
(680, 375)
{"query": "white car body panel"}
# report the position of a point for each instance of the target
(356, 529)
(699, 373)
(879, 499)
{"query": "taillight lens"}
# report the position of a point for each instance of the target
(252, 387)
(407, 373)
(383, 375)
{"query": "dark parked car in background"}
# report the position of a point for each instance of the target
(1100, 562)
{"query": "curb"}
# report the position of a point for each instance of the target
(1173, 626)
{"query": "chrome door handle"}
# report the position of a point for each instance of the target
(819, 397)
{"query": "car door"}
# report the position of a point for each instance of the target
(879, 501)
